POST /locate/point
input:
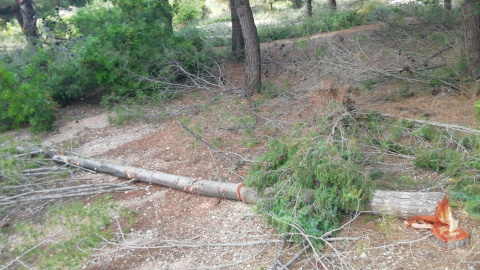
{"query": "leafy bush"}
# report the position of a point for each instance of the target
(24, 103)
(124, 51)
(123, 55)
(308, 183)
(187, 11)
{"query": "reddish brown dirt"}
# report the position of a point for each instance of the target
(173, 228)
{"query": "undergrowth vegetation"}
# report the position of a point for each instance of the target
(125, 51)
(43, 227)
(326, 20)
(67, 234)
(308, 182)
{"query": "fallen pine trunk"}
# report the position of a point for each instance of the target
(398, 203)
(406, 204)
(232, 191)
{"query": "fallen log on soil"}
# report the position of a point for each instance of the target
(406, 204)
(232, 191)
(397, 203)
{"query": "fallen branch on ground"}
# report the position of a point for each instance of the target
(437, 124)
(65, 192)
(230, 155)
(402, 204)
(232, 191)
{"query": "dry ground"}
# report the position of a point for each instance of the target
(184, 231)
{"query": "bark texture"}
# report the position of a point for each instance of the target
(232, 191)
(401, 204)
(238, 44)
(471, 9)
(332, 4)
(252, 47)
(298, 3)
(406, 204)
(26, 18)
(309, 8)
(447, 5)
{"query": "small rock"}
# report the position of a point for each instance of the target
(363, 255)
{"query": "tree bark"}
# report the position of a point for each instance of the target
(252, 46)
(26, 18)
(232, 191)
(238, 44)
(309, 8)
(472, 33)
(18, 13)
(447, 5)
(397, 203)
(298, 3)
(406, 204)
(332, 4)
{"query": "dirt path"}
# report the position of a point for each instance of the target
(194, 231)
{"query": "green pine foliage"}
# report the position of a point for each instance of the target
(24, 103)
(120, 50)
(325, 21)
(308, 182)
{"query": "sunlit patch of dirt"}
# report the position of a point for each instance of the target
(446, 108)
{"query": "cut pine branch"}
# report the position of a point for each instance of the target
(397, 203)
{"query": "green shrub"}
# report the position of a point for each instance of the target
(24, 103)
(439, 160)
(309, 183)
(187, 11)
(477, 107)
(428, 132)
(124, 51)
(320, 22)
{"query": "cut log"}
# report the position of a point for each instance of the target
(406, 204)
(232, 191)
(401, 204)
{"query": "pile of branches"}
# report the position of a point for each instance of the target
(30, 180)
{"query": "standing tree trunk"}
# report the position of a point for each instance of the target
(253, 68)
(25, 15)
(309, 8)
(238, 44)
(447, 5)
(472, 33)
(332, 4)
(297, 3)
